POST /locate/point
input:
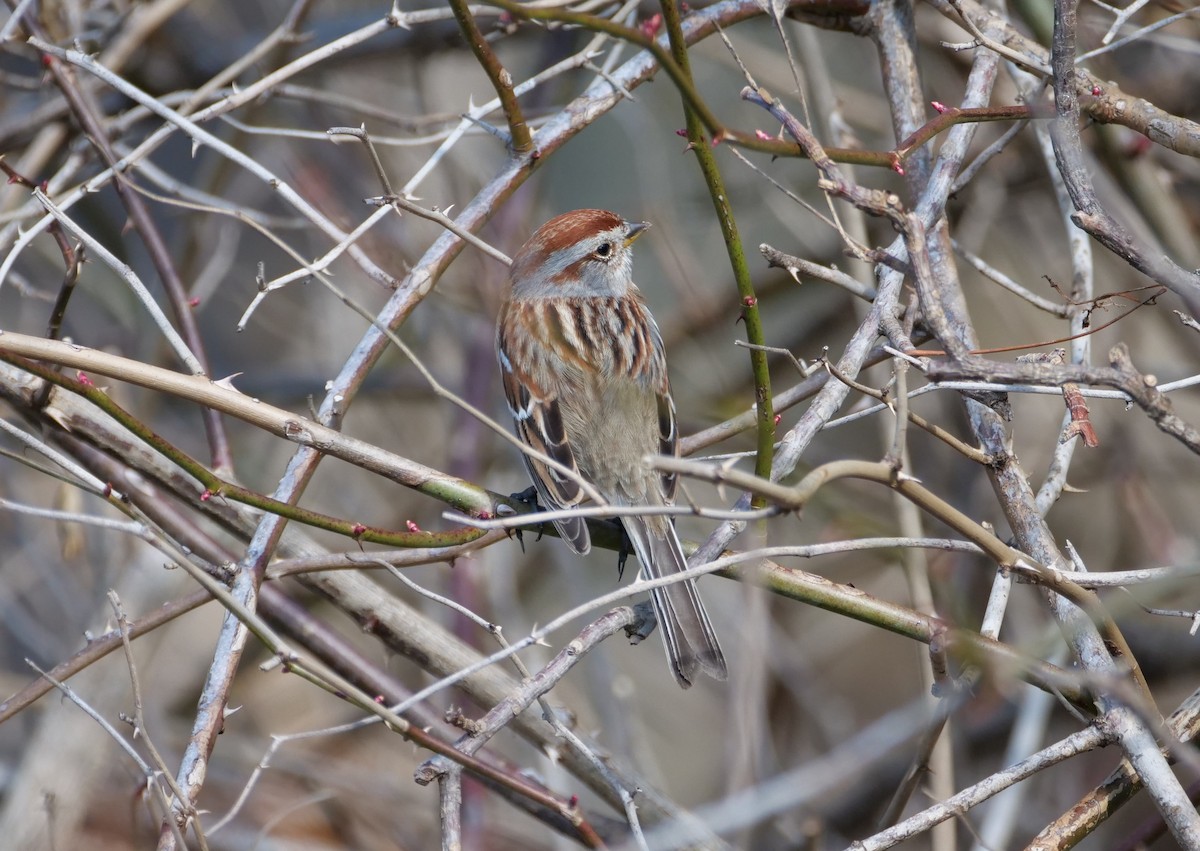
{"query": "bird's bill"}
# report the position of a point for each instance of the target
(636, 229)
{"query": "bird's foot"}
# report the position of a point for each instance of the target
(529, 497)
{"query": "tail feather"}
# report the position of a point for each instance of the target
(692, 645)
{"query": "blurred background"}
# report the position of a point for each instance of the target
(805, 680)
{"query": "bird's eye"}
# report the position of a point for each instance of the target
(604, 250)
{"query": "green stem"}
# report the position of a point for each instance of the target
(681, 76)
(216, 487)
(522, 140)
(733, 245)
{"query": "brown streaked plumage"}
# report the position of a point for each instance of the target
(585, 376)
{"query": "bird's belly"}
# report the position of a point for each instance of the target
(610, 434)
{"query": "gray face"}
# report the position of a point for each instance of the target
(582, 253)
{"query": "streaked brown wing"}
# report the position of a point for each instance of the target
(539, 425)
(655, 369)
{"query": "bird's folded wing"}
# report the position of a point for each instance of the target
(539, 425)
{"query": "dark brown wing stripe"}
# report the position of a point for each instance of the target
(668, 442)
(552, 425)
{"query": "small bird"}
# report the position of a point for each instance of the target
(585, 375)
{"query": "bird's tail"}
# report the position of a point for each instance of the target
(692, 644)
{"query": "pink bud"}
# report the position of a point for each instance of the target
(939, 106)
(1138, 146)
(762, 135)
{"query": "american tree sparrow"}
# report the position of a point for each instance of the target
(586, 379)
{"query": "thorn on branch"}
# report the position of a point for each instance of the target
(491, 129)
(608, 78)
(1188, 321)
